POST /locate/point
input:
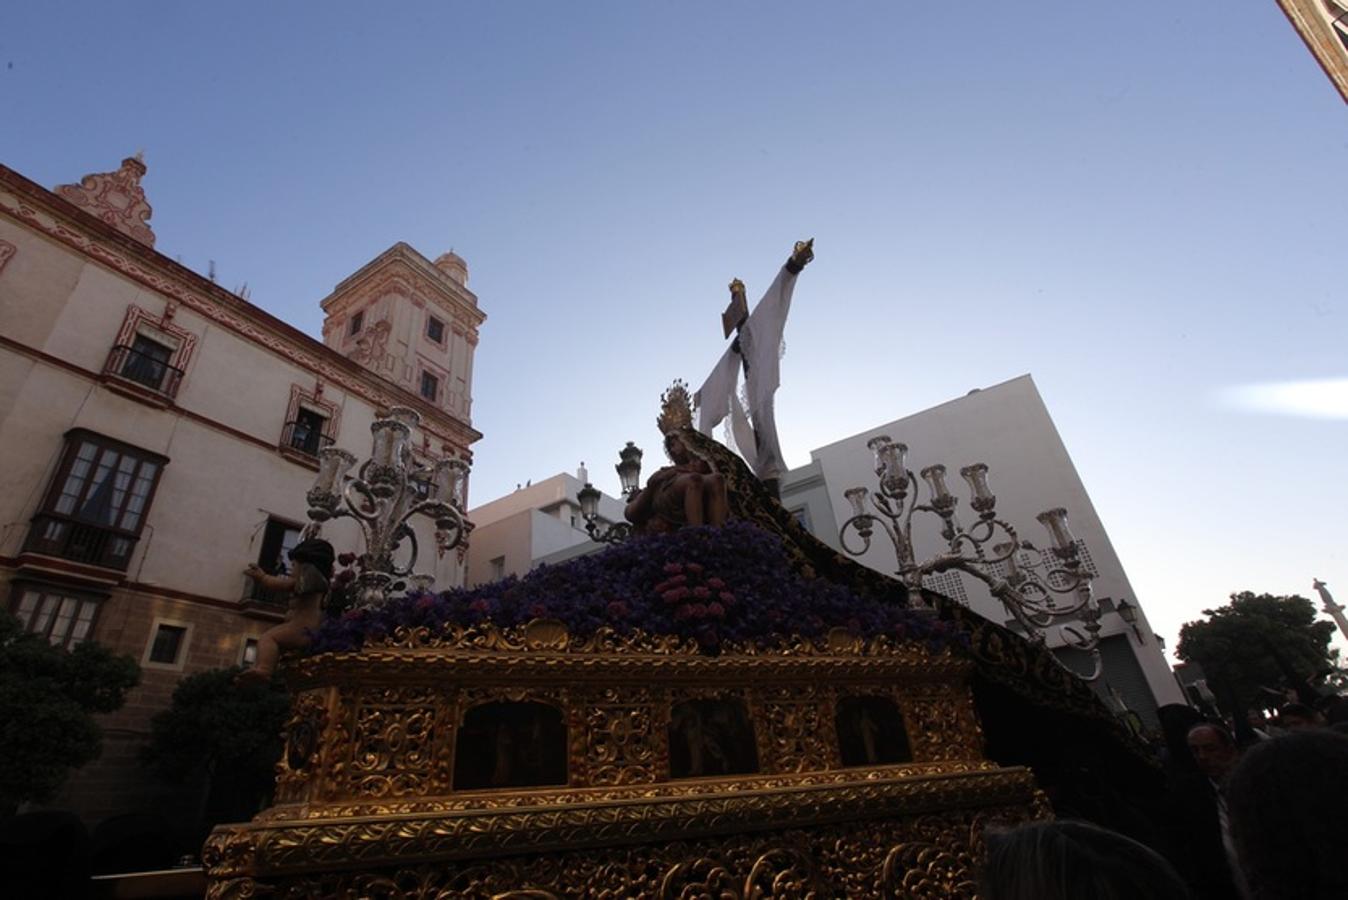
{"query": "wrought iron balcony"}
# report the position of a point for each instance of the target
(68, 538)
(304, 437)
(150, 372)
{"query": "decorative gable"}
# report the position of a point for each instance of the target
(115, 198)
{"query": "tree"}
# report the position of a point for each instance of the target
(1258, 641)
(229, 733)
(47, 700)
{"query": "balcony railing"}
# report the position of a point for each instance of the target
(148, 371)
(69, 538)
(305, 438)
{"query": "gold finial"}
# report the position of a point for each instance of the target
(676, 408)
(736, 288)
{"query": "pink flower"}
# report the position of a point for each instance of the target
(345, 559)
(679, 579)
(352, 615)
(701, 593)
(715, 584)
(673, 568)
(727, 598)
(479, 606)
(425, 602)
(538, 611)
(674, 595)
(617, 609)
(662, 587)
(699, 610)
(715, 610)
(695, 568)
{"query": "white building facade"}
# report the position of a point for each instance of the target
(1008, 427)
(536, 523)
(159, 433)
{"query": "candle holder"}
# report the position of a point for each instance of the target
(1038, 588)
(384, 496)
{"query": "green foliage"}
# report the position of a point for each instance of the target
(47, 698)
(216, 725)
(1253, 642)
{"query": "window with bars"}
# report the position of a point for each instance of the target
(305, 434)
(356, 321)
(147, 362)
(61, 617)
(95, 509)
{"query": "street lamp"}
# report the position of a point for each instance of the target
(1028, 581)
(383, 498)
(629, 474)
(1128, 613)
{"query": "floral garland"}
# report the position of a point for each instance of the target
(714, 585)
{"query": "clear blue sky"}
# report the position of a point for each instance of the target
(1140, 203)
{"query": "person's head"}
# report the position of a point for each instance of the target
(1296, 716)
(1286, 800)
(1213, 749)
(317, 553)
(1066, 860)
(675, 449)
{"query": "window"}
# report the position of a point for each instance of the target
(96, 507)
(64, 619)
(278, 539)
(146, 362)
(435, 329)
(248, 653)
(429, 386)
(168, 640)
(497, 568)
(802, 516)
(356, 321)
(505, 743)
(306, 432)
(167, 646)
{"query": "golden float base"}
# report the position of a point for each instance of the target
(375, 797)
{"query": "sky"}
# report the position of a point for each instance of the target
(1141, 204)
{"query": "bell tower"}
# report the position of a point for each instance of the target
(411, 321)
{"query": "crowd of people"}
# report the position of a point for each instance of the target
(1257, 810)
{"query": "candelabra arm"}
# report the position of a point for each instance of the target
(403, 530)
(367, 498)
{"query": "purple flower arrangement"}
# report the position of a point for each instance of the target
(731, 584)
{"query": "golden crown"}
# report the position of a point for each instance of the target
(676, 408)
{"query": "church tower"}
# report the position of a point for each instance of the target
(413, 322)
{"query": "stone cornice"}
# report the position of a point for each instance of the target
(35, 207)
(454, 298)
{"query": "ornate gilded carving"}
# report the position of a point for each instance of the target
(758, 804)
(400, 744)
(622, 740)
(798, 730)
(304, 743)
(904, 855)
(942, 725)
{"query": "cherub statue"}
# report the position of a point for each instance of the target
(688, 492)
(308, 586)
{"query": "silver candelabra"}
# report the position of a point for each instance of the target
(1038, 587)
(388, 490)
